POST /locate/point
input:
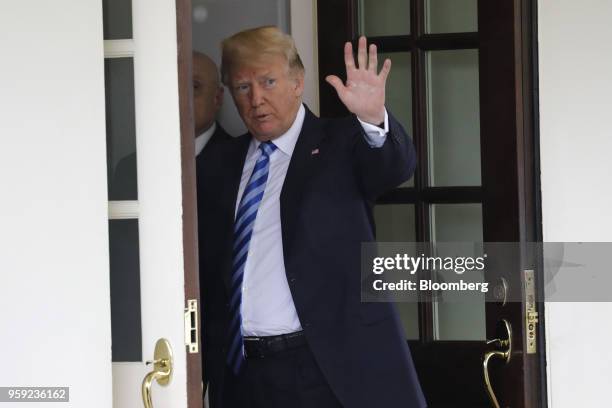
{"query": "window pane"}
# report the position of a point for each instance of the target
(395, 223)
(125, 290)
(399, 91)
(120, 129)
(453, 118)
(463, 318)
(451, 16)
(117, 15)
(409, 315)
(457, 222)
(384, 17)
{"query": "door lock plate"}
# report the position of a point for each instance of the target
(191, 326)
(531, 314)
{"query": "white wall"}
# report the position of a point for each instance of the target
(576, 144)
(54, 279)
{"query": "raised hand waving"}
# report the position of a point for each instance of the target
(364, 91)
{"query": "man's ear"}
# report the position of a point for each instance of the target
(298, 79)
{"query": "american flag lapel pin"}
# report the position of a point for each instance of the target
(315, 151)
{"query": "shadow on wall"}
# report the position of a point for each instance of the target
(214, 20)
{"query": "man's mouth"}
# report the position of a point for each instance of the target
(262, 117)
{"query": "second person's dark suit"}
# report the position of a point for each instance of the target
(124, 180)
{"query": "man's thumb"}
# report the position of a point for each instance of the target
(335, 82)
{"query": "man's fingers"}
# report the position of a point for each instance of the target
(336, 83)
(361, 53)
(373, 59)
(349, 61)
(386, 68)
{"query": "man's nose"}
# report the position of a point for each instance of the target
(256, 96)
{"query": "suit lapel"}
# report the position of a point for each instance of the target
(301, 167)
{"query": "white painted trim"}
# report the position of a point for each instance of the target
(122, 210)
(118, 48)
(303, 22)
(575, 163)
(158, 143)
(127, 378)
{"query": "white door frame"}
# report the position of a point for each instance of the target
(160, 199)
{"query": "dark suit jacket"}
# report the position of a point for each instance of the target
(123, 182)
(326, 213)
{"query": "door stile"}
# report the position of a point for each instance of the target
(188, 182)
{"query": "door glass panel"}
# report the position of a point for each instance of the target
(461, 317)
(396, 223)
(399, 91)
(453, 112)
(451, 16)
(384, 17)
(125, 290)
(120, 128)
(117, 19)
(409, 315)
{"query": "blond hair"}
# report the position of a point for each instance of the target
(254, 45)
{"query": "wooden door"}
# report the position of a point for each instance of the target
(462, 81)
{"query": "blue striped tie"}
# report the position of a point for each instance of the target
(243, 229)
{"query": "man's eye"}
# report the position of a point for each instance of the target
(242, 88)
(270, 82)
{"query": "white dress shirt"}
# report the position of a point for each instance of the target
(204, 138)
(267, 305)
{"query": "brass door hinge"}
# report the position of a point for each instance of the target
(531, 314)
(191, 326)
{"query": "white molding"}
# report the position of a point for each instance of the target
(160, 198)
(303, 23)
(123, 210)
(127, 377)
(118, 48)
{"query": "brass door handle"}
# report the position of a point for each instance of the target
(162, 370)
(505, 354)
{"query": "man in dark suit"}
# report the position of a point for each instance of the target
(283, 325)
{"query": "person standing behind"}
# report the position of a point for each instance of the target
(283, 325)
(207, 101)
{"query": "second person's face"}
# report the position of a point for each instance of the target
(267, 96)
(207, 96)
